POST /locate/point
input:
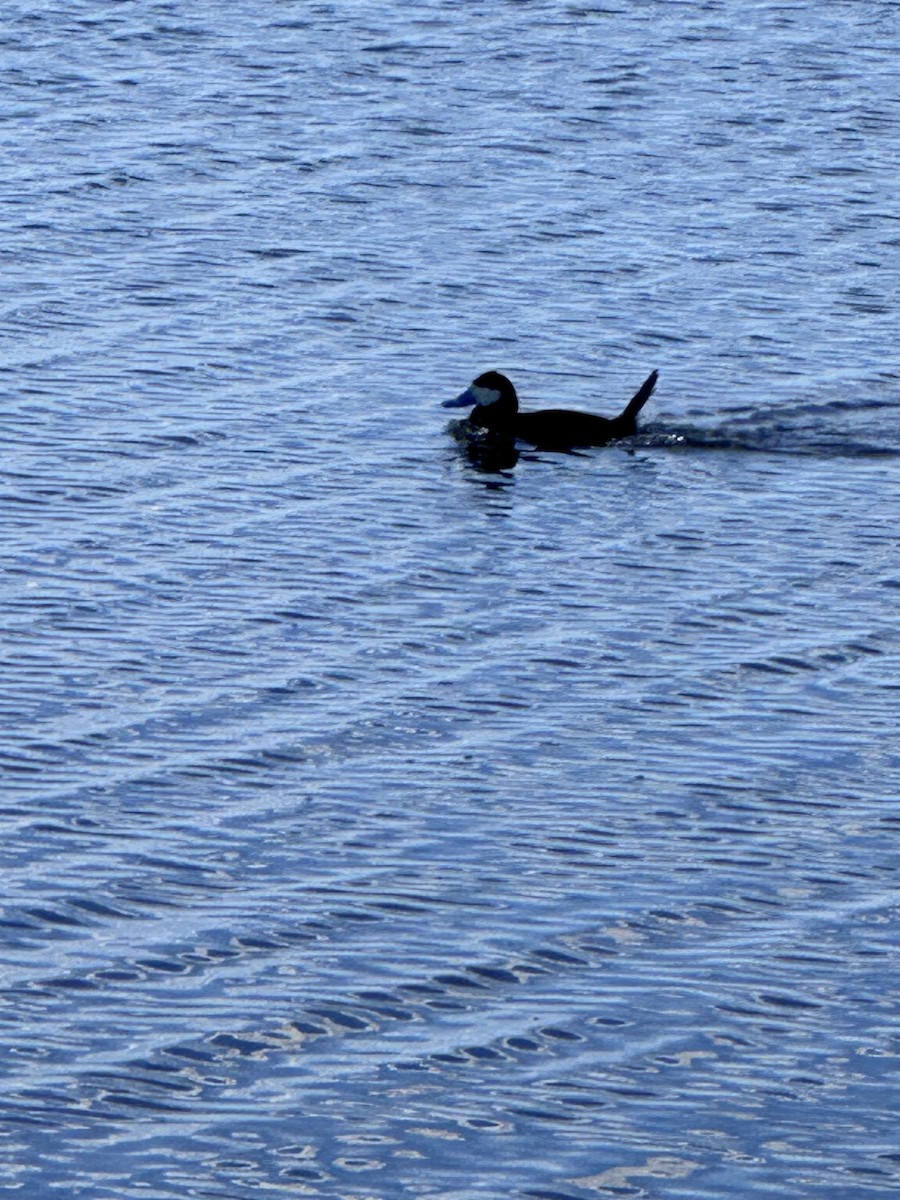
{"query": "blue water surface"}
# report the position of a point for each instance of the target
(380, 820)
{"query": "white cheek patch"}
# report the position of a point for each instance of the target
(484, 396)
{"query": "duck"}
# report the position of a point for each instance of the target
(495, 408)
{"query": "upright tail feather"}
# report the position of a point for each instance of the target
(637, 401)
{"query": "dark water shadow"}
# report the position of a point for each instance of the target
(760, 436)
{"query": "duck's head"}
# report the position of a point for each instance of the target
(493, 396)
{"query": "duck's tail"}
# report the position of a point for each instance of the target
(637, 402)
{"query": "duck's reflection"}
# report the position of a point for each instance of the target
(484, 449)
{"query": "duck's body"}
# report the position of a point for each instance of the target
(495, 407)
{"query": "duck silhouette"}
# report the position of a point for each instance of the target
(495, 408)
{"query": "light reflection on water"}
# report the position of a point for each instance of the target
(382, 822)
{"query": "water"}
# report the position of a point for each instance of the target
(377, 823)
